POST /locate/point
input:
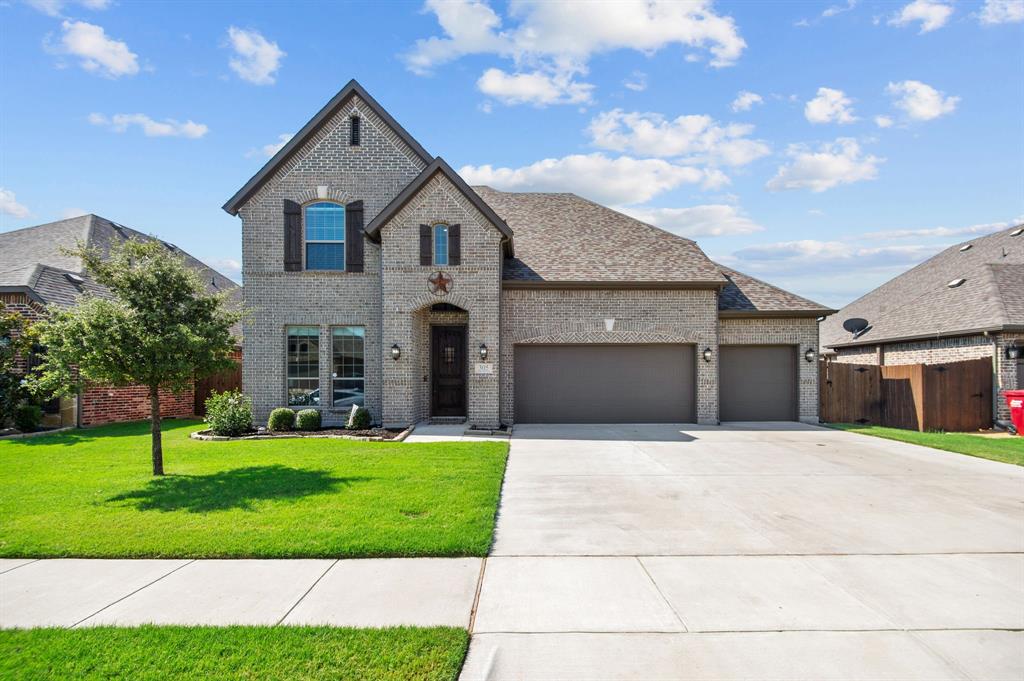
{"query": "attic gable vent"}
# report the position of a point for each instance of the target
(956, 282)
(1017, 232)
(966, 247)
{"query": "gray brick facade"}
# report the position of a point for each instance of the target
(393, 301)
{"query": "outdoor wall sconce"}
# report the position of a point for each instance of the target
(810, 355)
(707, 354)
(396, 352)
(1012, 352)
(483, 352)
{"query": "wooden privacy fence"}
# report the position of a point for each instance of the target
(956, 396)
(230, 379)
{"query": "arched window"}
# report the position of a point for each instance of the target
(441, 244)
(324, 224)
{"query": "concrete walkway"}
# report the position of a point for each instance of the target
(750, 551)
(355, 593)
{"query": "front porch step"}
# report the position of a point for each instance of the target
(446, 420)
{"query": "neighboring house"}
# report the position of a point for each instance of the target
(967, 302)
(35, 272)
(376, 276)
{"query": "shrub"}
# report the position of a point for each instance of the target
(229, 413)
(307, 419)
(360, 419)
(281, 418)
(27, 417)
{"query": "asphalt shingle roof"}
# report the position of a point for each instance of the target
(566, 238)
(32, 258)
(920, 304)
(563, 238)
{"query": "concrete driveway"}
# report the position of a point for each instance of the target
(750, 551)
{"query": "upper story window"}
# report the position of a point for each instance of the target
(440, 244)
(354, 125)
(325, 236)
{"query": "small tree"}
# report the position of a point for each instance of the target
(160, 329)
(15, 342)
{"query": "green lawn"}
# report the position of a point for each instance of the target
(160, 653)
(89, 493)
(1007, 450)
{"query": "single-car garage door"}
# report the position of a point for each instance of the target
(604, 384)
(757, 382)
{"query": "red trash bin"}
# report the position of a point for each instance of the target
(1015, 400)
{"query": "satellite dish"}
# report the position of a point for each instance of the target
(855, 324)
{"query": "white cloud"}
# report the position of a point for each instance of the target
(9, 205)
(830, 106)
(883, 121)
(811, 255)
(637, 82)
(256, 59)
(229, 267)
(535, 88)
(55, 8)
(696, 221)
(269, 150)
(921, 102)
(559, 38)
(839, 9)
(832, 164)
(745, 100)
(1002, 12)
(622, 180)
(698, 137)
(931, 14)
(97, 52)
(932, 232)
(150, 128)
(72, 213)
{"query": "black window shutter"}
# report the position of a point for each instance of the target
(292, 236)
(455, 245)
(354, 236)
(426, 245)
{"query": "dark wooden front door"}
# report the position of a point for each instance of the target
(448, 370)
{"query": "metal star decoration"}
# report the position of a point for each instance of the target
(440, 283)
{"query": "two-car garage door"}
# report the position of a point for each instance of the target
(650, 383)
(604, 384)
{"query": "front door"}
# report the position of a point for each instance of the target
(448, 370)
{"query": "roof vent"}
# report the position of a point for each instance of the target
(956, 282)
(169, 247)
(1017, 232)
(119, 229)
(966, 247)
(74, 279)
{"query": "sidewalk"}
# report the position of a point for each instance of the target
(355, 593)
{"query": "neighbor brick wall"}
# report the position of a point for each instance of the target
(641, 316)
(374, 172)
(29, 309)
(101, 405)
(476, 288)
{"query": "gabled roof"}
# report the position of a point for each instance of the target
(745, 296)
(920, 304)
(32, 262)
(309, 129)
(563, 240)
(438, 165)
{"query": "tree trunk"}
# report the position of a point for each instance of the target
(154, 416)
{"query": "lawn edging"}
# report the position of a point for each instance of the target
(208, 436)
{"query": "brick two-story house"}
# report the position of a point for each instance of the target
(374, 275)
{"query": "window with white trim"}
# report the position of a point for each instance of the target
(348, 371)
(324, 226)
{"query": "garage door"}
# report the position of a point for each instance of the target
(757, 382)
(604, 384)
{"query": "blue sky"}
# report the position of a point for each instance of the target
(823, 146)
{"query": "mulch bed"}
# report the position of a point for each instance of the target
(370, 434)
